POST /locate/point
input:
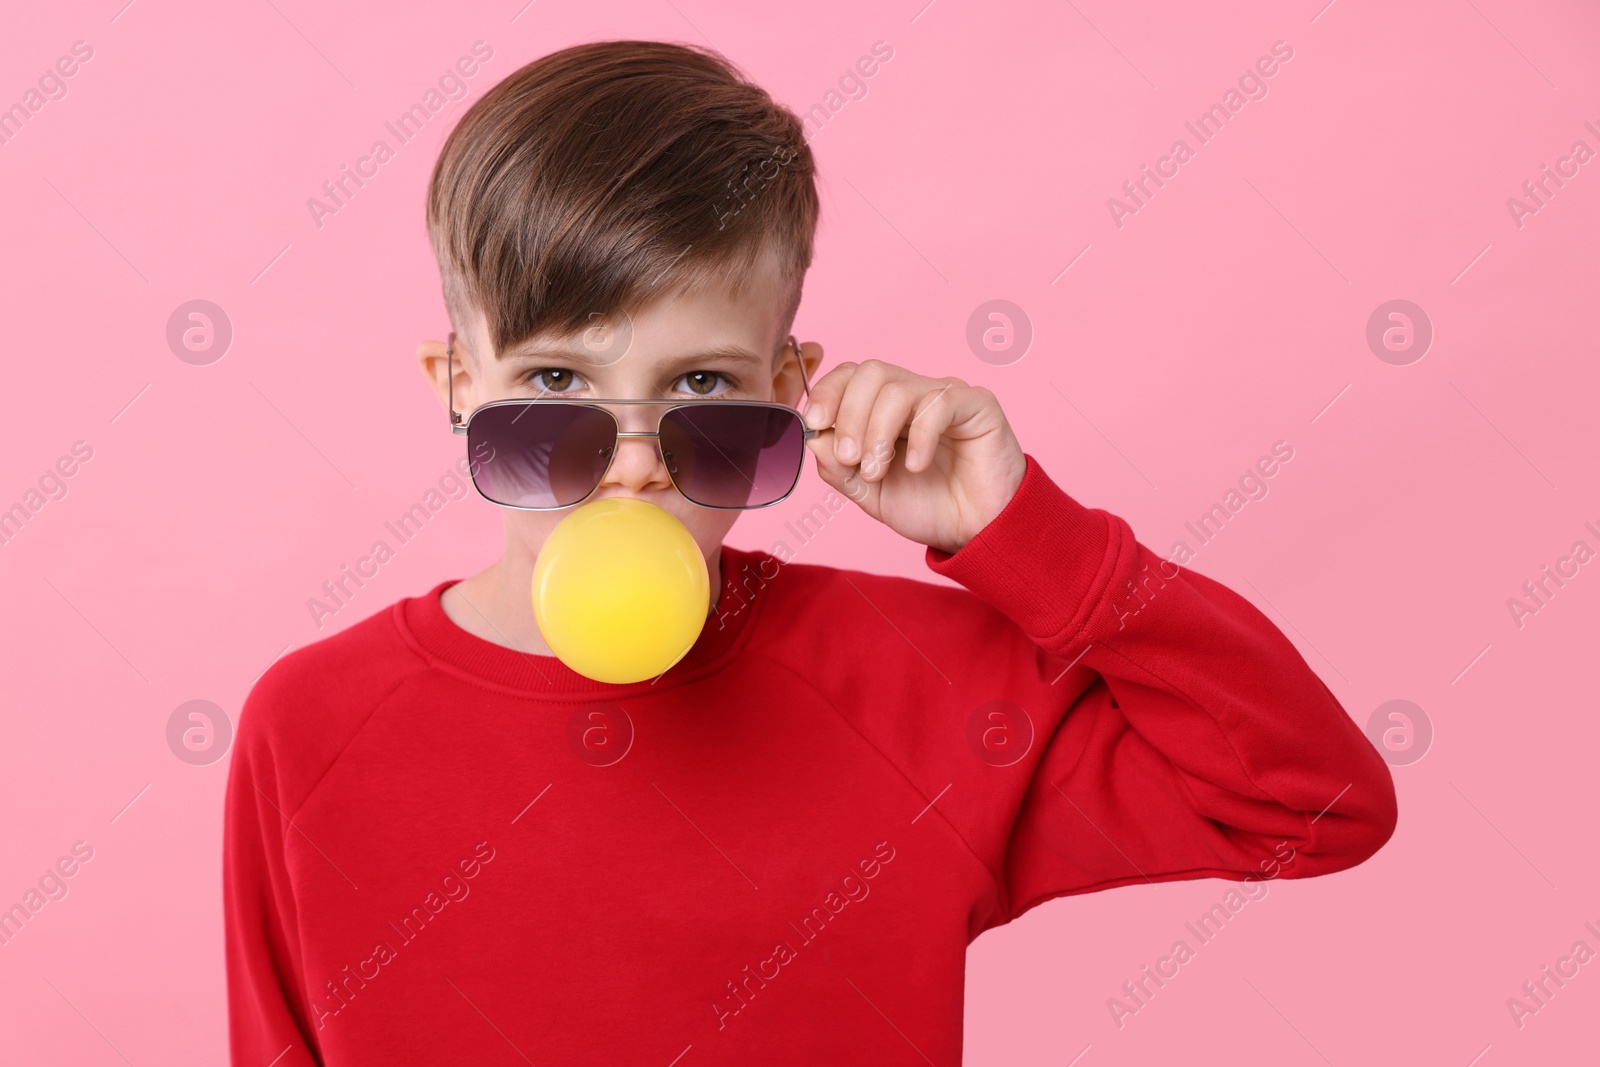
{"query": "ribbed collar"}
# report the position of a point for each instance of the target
(424, 624)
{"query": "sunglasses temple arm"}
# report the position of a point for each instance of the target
(456, 424)
(805, 384)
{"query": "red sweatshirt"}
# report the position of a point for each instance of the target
(443, 851)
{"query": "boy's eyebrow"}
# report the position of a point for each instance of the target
(717, 353)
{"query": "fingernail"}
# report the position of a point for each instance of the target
(911, 459)
(847, 449)
(813, 417)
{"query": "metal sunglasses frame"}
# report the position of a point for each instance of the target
(459, 425)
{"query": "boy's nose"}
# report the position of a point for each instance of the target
(637, 466)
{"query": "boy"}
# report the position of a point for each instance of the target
(445, 846)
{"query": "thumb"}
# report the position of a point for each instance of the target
(842, 477)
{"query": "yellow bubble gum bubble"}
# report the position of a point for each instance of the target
(620, 590)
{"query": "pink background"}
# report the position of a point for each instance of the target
(1224, 316)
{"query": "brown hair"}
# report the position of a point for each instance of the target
(602, 175)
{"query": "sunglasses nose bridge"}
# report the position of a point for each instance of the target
(637, 462)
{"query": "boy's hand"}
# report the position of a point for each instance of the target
(931, 458)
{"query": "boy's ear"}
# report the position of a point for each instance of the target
(787, 388)
(435, 368)
(812, 351)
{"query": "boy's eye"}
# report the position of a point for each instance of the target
(705, 382)
(553, 379)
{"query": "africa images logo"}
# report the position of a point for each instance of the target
(453, 887)
(854, 888)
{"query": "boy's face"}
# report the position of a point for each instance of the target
(683, 347)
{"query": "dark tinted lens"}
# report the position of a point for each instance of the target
(539, 455)
(725, 455)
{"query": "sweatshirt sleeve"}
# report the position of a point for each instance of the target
(268, 1021)
(1203, 744)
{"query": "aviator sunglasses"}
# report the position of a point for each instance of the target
(548, 453)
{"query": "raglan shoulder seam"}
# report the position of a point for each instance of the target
(377, 706)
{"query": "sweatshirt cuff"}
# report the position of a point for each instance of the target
(1038, 561)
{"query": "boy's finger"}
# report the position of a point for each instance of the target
(934, 412)
(842, 477)
(825, 394)
(886, 425)
(850, 420)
